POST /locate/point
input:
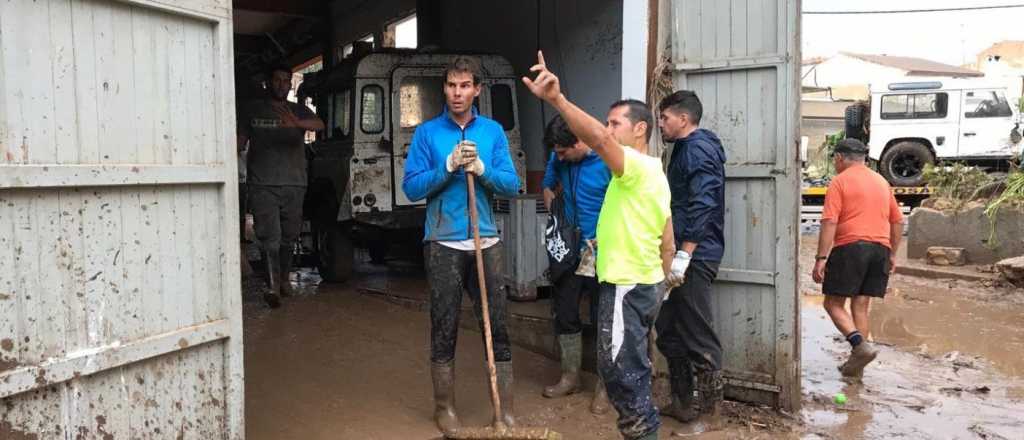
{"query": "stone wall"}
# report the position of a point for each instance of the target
(967, 228)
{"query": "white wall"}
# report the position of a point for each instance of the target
(635, 26)
(842, 70)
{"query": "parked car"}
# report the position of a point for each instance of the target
(908, 125)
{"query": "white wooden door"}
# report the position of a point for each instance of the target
(742, 58)
(120, 311)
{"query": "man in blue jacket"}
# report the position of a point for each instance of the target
(583, 178)
(686, 336)
(443, 150)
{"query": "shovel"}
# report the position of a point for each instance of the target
(499, 431)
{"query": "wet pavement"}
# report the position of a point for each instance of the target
(337, 364)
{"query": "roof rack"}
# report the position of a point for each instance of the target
(916, 85)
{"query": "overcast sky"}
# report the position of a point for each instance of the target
(948, 37)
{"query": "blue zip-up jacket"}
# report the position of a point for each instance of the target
(426, 176)
(696, 177)
(584, 184)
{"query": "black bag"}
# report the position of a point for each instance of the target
(562, 238)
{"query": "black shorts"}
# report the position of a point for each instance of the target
(859, 268)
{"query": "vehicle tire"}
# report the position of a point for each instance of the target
(854, 125)
(336, 252)
(903, 164)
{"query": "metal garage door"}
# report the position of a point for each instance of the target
(742, 59)
(120, 311)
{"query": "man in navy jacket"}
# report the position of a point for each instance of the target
(443, 150)
(686, 336)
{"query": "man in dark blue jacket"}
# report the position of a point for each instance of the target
(443, 150)
(583, 179)
(686, 336)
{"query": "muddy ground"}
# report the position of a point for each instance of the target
(337, 364)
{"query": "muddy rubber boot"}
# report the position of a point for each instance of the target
(710, 393)
(443, 375)
(599, 404)
(859, 358)
(572, 357)
(273, 295)
(710, 390)
(286, 272)
(682, 407)
(506, 387)
(650, 436)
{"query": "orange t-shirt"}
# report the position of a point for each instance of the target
(860, 201)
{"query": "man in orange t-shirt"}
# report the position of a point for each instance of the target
(861, 229)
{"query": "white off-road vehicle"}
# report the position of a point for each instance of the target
(908, 125)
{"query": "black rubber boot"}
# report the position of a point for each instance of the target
(273, 295)
(506, 386)
(572, 357)
(710, 393)
(710, 390)
(286, 272)
(682, 407)
(443, 375)
(710, 386)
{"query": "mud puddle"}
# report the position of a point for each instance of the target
(903, 394)
(950, 366)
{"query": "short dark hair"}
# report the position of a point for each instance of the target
(557, 134)
(464, 64)
(853, 157)
(684, 101)
(637, 111)
(277, 68)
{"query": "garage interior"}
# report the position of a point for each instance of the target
(349, 360)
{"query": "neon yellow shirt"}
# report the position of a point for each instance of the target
(632, 220)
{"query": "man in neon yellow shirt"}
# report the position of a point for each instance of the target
(635, 248)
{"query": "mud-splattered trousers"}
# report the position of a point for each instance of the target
(277, 214)
(685, 324)
(627, 314)
(449, 272)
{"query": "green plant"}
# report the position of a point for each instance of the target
(1013, 194)
(831, 140)
(954, 181)
(1020, 104)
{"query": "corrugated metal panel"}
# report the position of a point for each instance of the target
(120, 311)
(741, 58)
(521, 222)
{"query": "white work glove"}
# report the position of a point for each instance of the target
(463, 154)
(475, 167)
(677, 274)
